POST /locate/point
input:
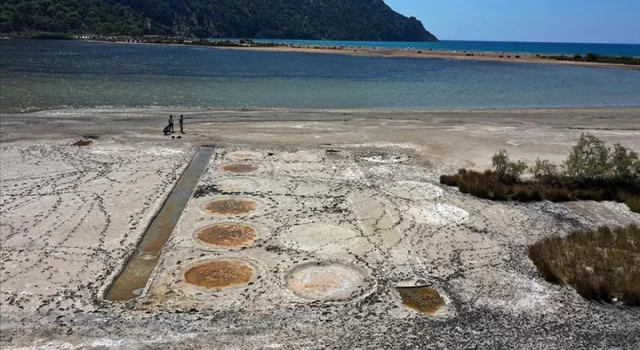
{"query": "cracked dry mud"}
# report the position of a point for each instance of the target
(333, 235)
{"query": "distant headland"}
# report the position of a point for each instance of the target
(277, 19)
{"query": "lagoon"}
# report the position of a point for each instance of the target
(39, 75)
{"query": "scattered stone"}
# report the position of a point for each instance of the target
(423, 299)
(82, 143)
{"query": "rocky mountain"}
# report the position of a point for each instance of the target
(290, 19)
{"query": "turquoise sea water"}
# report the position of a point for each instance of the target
(483, 46)
(39, 75)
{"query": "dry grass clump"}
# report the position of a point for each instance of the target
(632, 201)
(490, 185)
(591, 172)
(601, 265)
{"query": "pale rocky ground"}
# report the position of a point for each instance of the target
(71, 216)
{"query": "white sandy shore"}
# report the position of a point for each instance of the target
(71, 215)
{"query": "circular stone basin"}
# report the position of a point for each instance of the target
(301, 156)
(412, 190)
(237, 185)
(239, 168)
(333, 154)
(375, 157)
(227, 235)
(220, 274)
(245, 155)
(231, 206)
(327, 282)
(314, 237)
(438, 214)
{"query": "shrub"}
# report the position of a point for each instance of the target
(516, 169)
(500, 162)
(592, 173)
(632, 201)
(507, 170)
(449, 180)
(51, 36)
(601, 265)
(544, 170)
(588, 160)
(557, 194)
(592, 57)
(624, 164)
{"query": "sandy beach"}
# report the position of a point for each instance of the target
(452, 55)
(343, 207)
(439, 54)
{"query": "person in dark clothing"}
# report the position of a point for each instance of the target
(171, 123)
(181, 120)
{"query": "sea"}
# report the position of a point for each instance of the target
(533, 48)
(46, 74)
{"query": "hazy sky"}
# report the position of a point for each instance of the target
(585, 21)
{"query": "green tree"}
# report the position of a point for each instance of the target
(544, 170)
(592, 57)
(624, 164)
(507, 170)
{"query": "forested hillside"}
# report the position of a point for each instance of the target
(293, 19)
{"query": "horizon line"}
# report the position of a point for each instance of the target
(468, 40)
(546, 42)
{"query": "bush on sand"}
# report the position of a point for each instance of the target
(601, 265)
(591, 172)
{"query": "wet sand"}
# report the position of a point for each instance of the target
(345, 207)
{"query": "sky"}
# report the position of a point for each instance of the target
(580, 21)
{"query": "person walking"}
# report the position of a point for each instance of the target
(171, 123)
(181, 124)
